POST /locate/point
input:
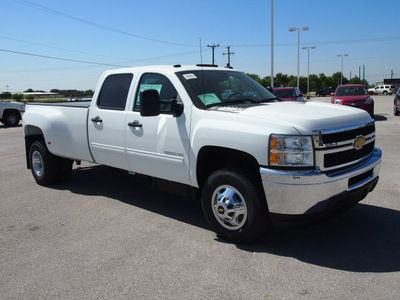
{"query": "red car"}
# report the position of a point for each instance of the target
(288, 93)
(354, 95)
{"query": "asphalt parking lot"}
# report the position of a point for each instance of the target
(109, 235)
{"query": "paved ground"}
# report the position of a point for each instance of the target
(106, 234)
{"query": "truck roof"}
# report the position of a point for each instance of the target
(170, 68)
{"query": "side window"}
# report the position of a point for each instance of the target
(114, 92)
(160, 83)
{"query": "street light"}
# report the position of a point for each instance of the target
(308, 69)
(298, 48)
(341, 71)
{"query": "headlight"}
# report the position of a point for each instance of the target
(338, 101)
(291, 151)
(369, 100)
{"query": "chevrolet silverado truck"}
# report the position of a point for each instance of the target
(11, 112)
(254, 161)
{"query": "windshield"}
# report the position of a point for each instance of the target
(219, 87)
(287, 93)
(351, 91)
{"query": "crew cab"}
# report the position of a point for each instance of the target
(253, 160)
(11, 112)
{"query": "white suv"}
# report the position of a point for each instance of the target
(383, 89)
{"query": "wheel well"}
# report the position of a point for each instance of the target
(32, 134)
(9, 111)
(212, 158)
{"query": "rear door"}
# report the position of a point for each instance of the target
(107, 121)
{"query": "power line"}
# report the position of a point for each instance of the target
(58, 48)
(96, 63)
(61, 58)
(76, 19)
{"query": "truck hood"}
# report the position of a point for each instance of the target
(309, 117)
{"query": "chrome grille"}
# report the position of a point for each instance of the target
(340, 148)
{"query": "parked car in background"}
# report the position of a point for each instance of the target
(326, 91)
(396, 103)
(11, 112)
(383, 89)
(354, 95)
(288, 93)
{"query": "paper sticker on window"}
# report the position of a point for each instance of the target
(189, 76)
(208, 99)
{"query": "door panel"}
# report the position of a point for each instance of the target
(107, 122)
(158, 146)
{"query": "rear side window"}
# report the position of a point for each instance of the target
(114, 91)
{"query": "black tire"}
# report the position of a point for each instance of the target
(385, 93)
(234, 207)
(44, 165)
(396, 112)
(11, 119)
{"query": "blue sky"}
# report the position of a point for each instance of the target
(88, 37)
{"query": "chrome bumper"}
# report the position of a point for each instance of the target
(303, 192)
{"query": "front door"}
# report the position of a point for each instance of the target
(158, 146)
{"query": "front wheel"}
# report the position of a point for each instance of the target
(11, 119)
(234, 207)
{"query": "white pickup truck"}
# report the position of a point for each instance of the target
(215, 132)
(11, 112)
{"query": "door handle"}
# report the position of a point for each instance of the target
(135, 124)
(97, 119)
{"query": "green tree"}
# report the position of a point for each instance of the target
(17, 97)
(5, 95)
(253, 76)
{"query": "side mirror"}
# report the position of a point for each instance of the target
(176, 107)
(149, 103)
(332, 94)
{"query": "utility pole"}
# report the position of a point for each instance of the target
(272, 44)
(363, 74)
(213, 48)
(229, 56)
(391, 74)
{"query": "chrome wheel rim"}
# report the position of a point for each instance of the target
(37, 163)
(229, 207)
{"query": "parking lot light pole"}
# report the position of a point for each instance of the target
(341, 70)
(298, 49)
(308, 69)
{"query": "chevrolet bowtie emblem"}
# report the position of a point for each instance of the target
(359, 142)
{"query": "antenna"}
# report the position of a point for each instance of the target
(201, 52)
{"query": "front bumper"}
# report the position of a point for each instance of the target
(311, 191)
